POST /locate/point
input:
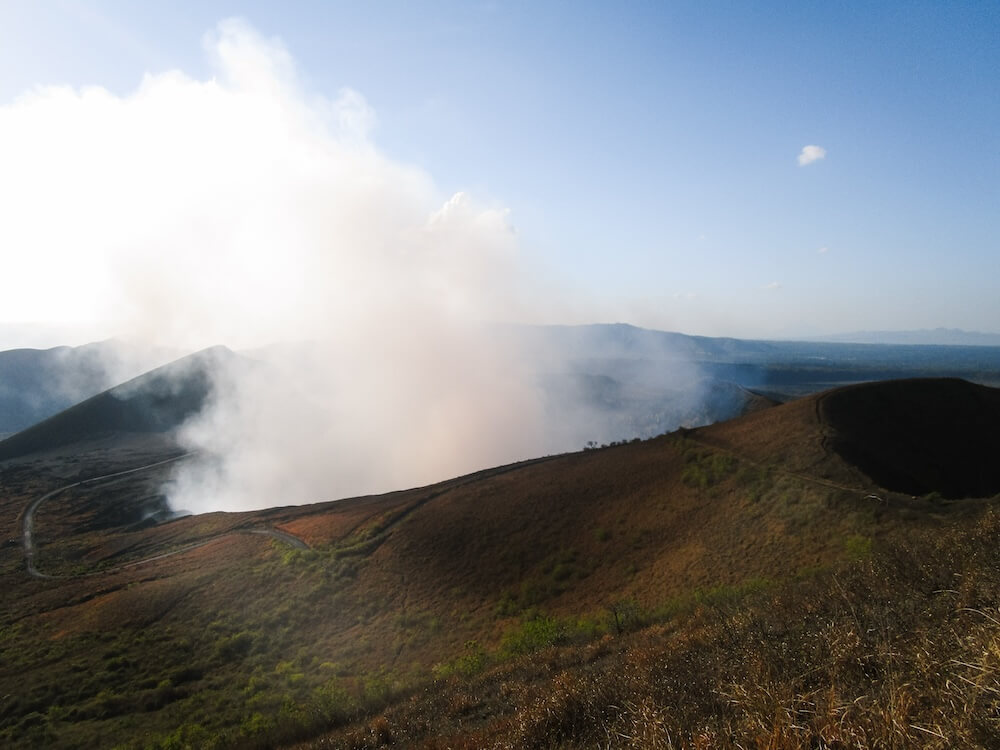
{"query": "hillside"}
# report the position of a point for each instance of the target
(874, 652)
(157, 401)
(37, 383)
(269, 626)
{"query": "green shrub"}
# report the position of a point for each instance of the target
(705, 470)
(625, 614)
(858, 546)
(695, 476)
(234, 646)
(532, 635)
(472, 662)
(507, 605)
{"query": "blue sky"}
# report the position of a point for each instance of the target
(647, 152)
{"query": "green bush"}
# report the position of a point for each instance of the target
(234, 646)
(532, 635)
(705, 470)
(473, 661)
(858, 546)
(625, 614)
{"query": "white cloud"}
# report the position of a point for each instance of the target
(809, 154)
(823, 250)
(773, 285)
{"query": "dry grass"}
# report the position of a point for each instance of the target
(899, 651)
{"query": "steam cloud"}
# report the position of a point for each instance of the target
(242, 210)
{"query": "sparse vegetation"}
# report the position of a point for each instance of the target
(858, 546)
(897, 650)
(702, 589)
(704, 468)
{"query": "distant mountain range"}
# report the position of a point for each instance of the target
(924, 336)
(37, 383)
(157, 401)
(619, 380)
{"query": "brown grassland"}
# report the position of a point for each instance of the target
(744, 585)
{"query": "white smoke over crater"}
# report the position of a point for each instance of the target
(244, 211)
(240, 210)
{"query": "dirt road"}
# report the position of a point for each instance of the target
(31, 551)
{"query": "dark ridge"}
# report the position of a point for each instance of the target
(919, 436)
(158, 401)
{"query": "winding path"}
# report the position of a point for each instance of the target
(31, 550)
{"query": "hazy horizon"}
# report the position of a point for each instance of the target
(29, 337)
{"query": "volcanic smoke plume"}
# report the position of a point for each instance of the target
(244, 211)
(241, 210)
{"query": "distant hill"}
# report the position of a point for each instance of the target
(924, 336)
(37, 383)
(157, 401)
(620, 340)
(779, 369)
(612, 341)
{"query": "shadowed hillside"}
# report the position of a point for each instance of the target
(38, 383)
(877, 652)
(157, 401)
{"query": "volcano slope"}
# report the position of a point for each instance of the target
(741, 583)
(155, 402)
